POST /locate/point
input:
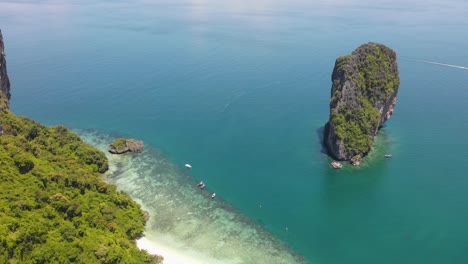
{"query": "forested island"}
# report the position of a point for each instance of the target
(363, 96)
(54, 205)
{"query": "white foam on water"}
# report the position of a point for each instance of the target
(185, 225)
(444, 64)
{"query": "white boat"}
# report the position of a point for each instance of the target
(388, 155)
(201, 185)
(213, 195)
(336, 165)
(188, 166)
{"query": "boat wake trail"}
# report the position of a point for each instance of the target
(232, 100)
(443, 64)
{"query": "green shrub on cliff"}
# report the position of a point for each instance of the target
(54, 207)
(23, 163)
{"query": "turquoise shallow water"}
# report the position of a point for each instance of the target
(240, 90)
(183, 217)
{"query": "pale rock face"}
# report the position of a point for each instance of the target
(4, 81)
(366, 81)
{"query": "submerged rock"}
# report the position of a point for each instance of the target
(363, 96)
(122, 145)
(147, 215)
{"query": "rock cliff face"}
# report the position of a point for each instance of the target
(363, 96)
(4, 81)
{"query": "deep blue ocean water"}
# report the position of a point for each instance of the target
(240, 89)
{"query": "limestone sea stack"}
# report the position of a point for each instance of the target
(363, 96)
(122, 145)
(4, 81)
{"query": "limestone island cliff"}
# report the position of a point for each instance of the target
(54, 205)
(4, 81)
(363, 96)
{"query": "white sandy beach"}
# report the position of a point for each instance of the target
(170, 255)
(174, 256)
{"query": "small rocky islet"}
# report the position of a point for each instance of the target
(363, 96)
(122, 145)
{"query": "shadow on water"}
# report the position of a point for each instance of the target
(352, 187)
(321, 140)
(345, 186)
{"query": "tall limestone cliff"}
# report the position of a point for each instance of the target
(4, 81)
(363, 96)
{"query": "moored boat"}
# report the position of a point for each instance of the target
(188, 166)
(336, 165)
(201, 185)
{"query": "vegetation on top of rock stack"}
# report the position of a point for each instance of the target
(364, 89)
(119, 143)
(54, 206)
